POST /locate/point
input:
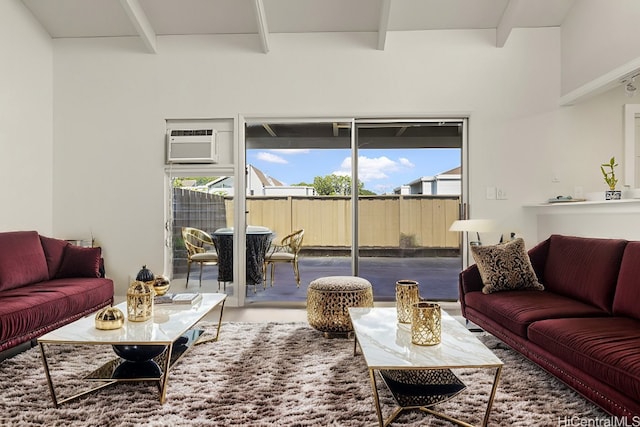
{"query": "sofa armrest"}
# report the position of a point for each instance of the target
(470, 280)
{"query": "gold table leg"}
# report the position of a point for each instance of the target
(376, 398)
(496, 379)
(165, 376)
(52, 391)
(214, 339)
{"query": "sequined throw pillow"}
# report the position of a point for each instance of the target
(505, 267)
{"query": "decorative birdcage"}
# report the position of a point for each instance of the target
(140, 301)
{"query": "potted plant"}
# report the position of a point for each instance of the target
(609, 172)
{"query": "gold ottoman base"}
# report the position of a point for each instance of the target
(328, 301)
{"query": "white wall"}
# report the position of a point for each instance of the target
(26, 117)
(112, 100)
(598, 36)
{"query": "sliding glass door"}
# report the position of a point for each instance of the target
(298, 178)
(375, 198)
(413, 169)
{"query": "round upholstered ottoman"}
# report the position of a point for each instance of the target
(328, 301)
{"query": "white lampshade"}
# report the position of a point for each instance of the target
(477, 225)
(474, 226)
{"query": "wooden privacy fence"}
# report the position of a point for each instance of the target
(196, 209)
(393, 221)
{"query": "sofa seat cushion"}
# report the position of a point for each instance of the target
(584, 268)
(516, 310)
(22, 259)
(605, 347)
(29, 308)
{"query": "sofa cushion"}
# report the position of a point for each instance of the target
(584, 268)
(516, 310)
(30, 308)
(505, 267)
(22, 259)
(625, 302)
(80, 262)
(53, 252)
(607, 348)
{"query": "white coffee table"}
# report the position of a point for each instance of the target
(386, 347)
(169, 330)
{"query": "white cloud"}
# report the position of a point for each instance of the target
(406, 162)
(271, 158)
(376, 168)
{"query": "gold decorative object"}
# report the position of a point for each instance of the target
(161, 285)
(329, 299)
(109, 318)
(140, 301)
(426, 324)
(407, 294)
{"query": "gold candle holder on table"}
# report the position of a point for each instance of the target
(425, 324)
(407, 294)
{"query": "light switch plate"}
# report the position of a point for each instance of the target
(491, 193)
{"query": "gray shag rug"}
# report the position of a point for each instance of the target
(261, 374)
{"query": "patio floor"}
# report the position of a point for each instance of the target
(438, 277)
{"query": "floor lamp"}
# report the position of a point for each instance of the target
(476, 226)
(472, 226)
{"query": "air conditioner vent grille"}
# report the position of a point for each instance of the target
(192, 132)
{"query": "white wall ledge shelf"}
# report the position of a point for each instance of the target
(592, 218)
(604, 203)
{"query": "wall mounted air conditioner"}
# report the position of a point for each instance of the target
(192, 146)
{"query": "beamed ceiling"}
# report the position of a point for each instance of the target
(148, 19)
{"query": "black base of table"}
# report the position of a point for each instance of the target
(422, 388)
(143, 362)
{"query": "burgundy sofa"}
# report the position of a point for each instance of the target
(46, 283)
(584, 327)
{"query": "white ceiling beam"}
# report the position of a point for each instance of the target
(601, 84)
(383, 26)
(141, 23)
(263, 29)
(507, 22)
(269, 130)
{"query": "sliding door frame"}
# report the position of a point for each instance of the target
(355, 121)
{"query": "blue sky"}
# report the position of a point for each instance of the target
(380, 170)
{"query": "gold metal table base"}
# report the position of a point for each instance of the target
(101, 377)
(398, 410)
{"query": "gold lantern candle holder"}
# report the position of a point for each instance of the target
(426, 327)
(140, 301)
(407, 294)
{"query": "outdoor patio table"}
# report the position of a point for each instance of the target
(258, 241)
